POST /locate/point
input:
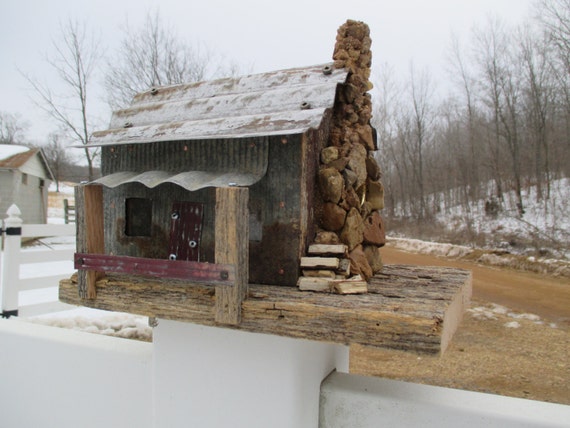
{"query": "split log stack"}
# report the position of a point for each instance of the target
(351, 193)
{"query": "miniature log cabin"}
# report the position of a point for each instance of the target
(215, 197)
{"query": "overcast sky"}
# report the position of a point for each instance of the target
(260, 35)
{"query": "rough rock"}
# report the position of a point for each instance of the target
(350, 178)
(357, 163)
(329, 154)
(375, 194)
(351, 198)
(331, 184)
(374, 232)
(327, 238)
(332, 217)
(359, 263)
(372, 168)
(374, 258)
(366, 137)
(353, 230)
(339, 164)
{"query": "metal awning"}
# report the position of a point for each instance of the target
(191, 181)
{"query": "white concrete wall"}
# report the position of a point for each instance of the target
(216, 377)
(52, 377)
(196, 376)
(349, 401)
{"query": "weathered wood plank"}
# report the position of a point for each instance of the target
(354, 285)
(94, 233)
(80, 244)
(232, 240)
(314, 284)
(319, 273)
(319, 262)
(409, 308)
(327, 249)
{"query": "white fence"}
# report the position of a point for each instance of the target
(12, 283)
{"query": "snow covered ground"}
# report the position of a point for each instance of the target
(547, 222)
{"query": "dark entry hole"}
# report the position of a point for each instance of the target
(139, 217)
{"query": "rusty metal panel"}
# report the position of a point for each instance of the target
(194, 272)
(277, 103)
(185, 231)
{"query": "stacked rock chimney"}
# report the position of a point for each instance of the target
(349, 176)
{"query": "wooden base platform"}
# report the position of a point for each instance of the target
(409, 308)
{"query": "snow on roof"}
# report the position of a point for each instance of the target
(9, 150)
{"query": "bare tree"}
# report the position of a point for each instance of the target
(76, 55)
(539, 100)
(490, 52)
(466, 81)
(11, 128)
(384, 120)
(152, 55)
(421, 92)
(555, 17)
(56, 156)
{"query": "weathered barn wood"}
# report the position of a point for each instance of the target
(94, 231)
(408, 308)
(232, 235)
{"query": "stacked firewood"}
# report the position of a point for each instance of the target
(351, 192)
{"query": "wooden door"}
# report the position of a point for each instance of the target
(185, 231)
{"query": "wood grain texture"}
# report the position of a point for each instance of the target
(407, 307)
(94, 233)
(320, 262)
(232, 247)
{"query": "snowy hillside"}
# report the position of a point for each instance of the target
(543, 230)
(546, 222)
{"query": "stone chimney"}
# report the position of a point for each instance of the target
(350, 228)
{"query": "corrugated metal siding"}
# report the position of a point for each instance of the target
(192, 165)
(277, 103)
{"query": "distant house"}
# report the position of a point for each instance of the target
(24, 180)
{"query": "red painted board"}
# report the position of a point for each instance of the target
(201, 273)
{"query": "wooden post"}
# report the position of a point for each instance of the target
(232, 247)
(94, 233)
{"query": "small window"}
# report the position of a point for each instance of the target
(24, 178)
(138, 217)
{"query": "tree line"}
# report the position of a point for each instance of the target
(504, 126)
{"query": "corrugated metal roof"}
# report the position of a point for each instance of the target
(275, 103)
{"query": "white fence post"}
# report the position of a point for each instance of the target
(11, 262)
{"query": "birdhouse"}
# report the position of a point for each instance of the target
(164, 156)
(220, 194)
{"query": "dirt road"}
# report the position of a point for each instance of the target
(546, 296)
